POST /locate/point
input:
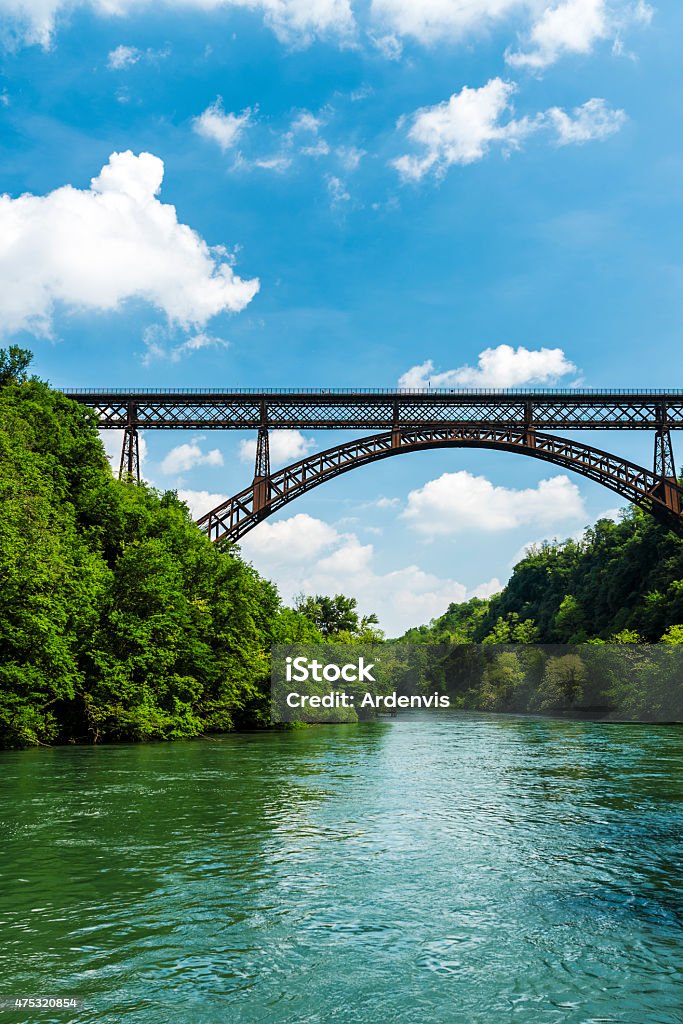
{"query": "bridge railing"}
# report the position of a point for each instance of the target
(502, 392)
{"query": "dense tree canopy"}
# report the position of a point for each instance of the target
(622, 582)
(119, 618)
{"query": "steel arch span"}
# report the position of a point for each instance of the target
(660, 495)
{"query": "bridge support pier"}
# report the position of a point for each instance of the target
(261, 482)
(129, 467)
(665, 468)
(664, 454)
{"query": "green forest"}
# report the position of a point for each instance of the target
(122, 621)
(620, 583)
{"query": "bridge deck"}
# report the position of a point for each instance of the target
(379, 408)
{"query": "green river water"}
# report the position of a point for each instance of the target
(436, 868)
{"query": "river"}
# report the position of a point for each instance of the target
(436, 868)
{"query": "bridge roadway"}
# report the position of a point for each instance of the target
(382, 409)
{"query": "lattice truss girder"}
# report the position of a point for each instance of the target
(237, 515)
(335, 412)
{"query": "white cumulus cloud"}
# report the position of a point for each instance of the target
(295, 22)
(574, 27)
(186, 456)
(92, 249)
(291, 540)
(305, 554)
(285, 446)
(500, 367)
(200, 502)
(462, 129)
(548, 29)
(461, 501)
(224, 129)
(545, 29)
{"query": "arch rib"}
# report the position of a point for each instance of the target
(241, 513)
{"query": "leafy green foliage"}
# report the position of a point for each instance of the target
(337, 619)
(614, 591)
(673, 635)
(120, 620)
(14, 363)
(460, 624)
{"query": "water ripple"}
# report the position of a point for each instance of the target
(457, 868)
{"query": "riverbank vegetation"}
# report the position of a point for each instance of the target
(120, 620)
(620, 584)
(612, 682)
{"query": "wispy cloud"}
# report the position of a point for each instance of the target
(221, 128)
(337, 190)
(593, 120)
(159, 344)
(288, 146)
(123, 57)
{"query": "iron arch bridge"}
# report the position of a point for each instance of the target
(407, 421)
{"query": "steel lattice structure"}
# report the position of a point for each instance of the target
(239, 514)
(359, 409)
(410, 420)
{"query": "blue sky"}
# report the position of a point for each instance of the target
(334, 194)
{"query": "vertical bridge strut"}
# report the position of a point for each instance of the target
(664, 464)
(262, 465)
(396, 426)
(529, 432)
(129, 468)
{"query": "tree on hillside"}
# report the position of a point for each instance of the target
(512, 630)
(14, 364)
